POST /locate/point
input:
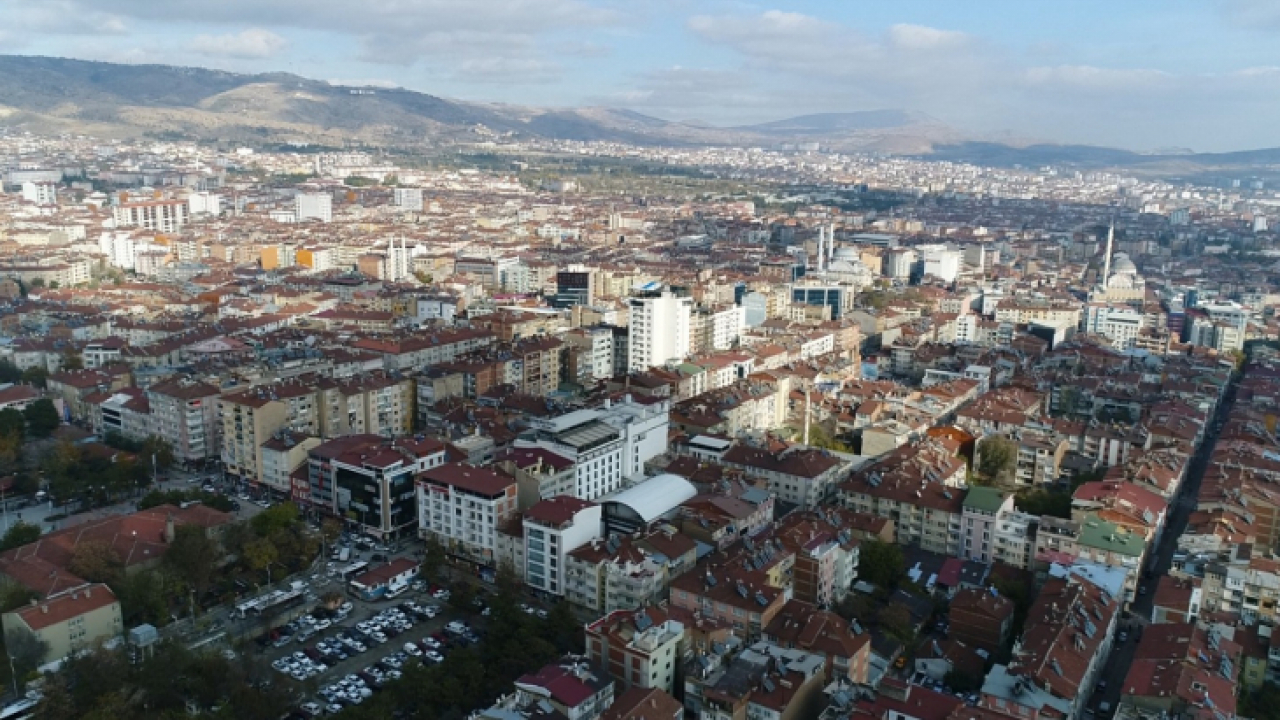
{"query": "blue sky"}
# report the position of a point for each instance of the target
(1140, 74)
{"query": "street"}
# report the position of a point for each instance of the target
(38, 514)
(1139, 615)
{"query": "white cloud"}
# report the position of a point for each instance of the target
(919, 37)
(253, 43)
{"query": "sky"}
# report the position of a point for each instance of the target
(1138, 74)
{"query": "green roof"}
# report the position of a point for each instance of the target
(987, 499)
(691, 369)
(1102, 535)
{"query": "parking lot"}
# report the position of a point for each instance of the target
(368, 645)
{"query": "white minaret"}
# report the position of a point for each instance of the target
(831, 244)
(1106, 263)
(821, 252)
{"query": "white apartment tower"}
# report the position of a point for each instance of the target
(408, 198)
(659, 327)
(40, 193)
(313, 206)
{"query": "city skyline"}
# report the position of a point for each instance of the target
(1142, 76)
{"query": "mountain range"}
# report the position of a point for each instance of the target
(118, 100)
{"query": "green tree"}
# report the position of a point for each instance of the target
(259, 553)
(9, 373)
(42, 418)
(13, 423)
(37, 282)
(26, 650)
(19, 534)
(820, 438)
(881, 563)
(1042, 501)
(143, 599)
(14, 596)
(274, 519)
(97, 561)
(895, 621)
(36, 376)
(433, 556)
(962, 682)
(193, 556)
(72, 361)
(160, 449)
(998, 458)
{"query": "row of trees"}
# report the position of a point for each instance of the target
(74, 473)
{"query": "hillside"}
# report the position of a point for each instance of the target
(132, 100)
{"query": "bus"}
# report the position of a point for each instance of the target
(353, 570)
(21, 710)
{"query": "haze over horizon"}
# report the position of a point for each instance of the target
(1141, 75)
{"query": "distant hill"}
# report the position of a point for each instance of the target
(113, 100)
(828, 123)
(161, 100)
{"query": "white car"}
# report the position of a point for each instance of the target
(378, 637)
(323, 625)
(412, 649)
(433, 656)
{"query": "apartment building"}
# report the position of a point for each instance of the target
(826, 553)
(164, 216)
(640, 648)
(992, 529)
(282, 455)
(369, 481)
(659, 324)
(184, 413)
(552, 529)
(742, 599)
(69, 621)
(249, 419)
(462, 506)
(613, 573)
(374, 403)
(916, 486)
(797, 474)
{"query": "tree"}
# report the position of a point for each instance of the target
(881, 563)
(97, 561)
(330, 530)
(274, 519)
(259, 553)
(895, 621)
(19, 534)
(962, 682)
(37, 282)
(193, 557)
(36, 376)
(13, 423)
(998, 458)
(820, 438)
(159, 448)
(26, 650)
(9, 373)
(42, 418)
(72, 361)
(433, 556)
(14, 596)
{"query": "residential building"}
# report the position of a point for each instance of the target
(72, 620)
(313, 206)
(462, 506)
(659, 323)
(552, 529)
(184, 413)
(163, 216)
(640, 648)
(581, 691)
(369, 481)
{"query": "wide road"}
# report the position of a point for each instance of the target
(1159, 561)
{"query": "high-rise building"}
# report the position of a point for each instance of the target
(40, 193)
(574, 288)
(313, 206)
(659, 324)
(158, 215)
(408, 198)
(941, 261)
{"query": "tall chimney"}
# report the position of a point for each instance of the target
(806, 417)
